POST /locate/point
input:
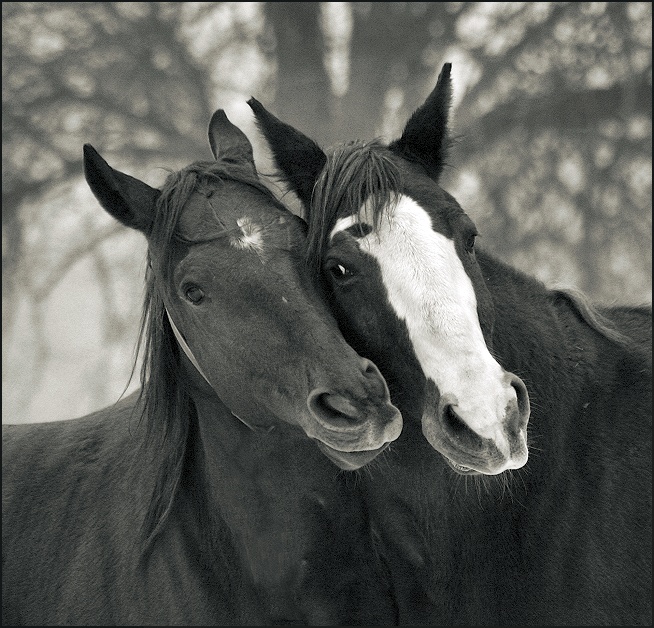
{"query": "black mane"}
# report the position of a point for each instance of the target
(597, 320)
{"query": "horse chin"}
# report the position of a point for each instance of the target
(490, 461)
(460, 469)
(350, 460)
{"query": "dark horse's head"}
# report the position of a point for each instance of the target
(228, 276)
(397, 253)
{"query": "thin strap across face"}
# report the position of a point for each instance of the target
(185, 348)
(189, 354)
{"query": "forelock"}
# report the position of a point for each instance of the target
(356, 174)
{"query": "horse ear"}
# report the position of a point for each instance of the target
(425, 136)
(127, 199)
(227, 140)
(299, 158)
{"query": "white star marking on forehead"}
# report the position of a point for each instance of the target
(252, 235)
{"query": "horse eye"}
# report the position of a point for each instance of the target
(194, 294)
(470, 242)
(339, 271)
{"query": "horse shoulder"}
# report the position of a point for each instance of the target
(72, 500)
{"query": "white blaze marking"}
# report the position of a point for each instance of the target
(429, 289)
(252, 237)
(342, 224)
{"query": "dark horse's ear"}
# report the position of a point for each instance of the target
(127, 199)
(299, 158)
(425, 136)
(228, 141)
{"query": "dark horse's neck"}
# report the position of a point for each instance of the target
(270, 500)
(569, 355)
(535, 327)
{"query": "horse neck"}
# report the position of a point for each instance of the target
(533, 336)
(566, 363)
(275, 491)
(245, 468)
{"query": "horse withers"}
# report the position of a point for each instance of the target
(484, 363)
(214, 495)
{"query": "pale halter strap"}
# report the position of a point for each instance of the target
(189, 354)
(185, 348)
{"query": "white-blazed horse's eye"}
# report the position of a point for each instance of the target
(339, 271)
(470, 242)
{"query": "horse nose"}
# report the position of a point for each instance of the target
(496, 444)
(344, 413)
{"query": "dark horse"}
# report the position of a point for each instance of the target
(563, 539)
(204, 499)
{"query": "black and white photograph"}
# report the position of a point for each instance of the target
(327, 313)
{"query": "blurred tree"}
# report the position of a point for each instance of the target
(554, 164)
(558, 133)
(112, 74)
(337, 61)
(296, 44)
(139, 82)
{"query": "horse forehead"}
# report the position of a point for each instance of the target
(248, 220)
(406, 219)
(421, 269)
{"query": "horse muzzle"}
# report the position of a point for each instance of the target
(351, 432)
(498, 445)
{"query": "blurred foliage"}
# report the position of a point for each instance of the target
(552, 109)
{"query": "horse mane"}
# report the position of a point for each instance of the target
(582, 306)
(355, 173)
(166, 406)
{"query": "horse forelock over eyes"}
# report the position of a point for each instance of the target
(356, 174)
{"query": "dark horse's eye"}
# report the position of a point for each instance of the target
(338, 271)
(470, 242)
(194, 294)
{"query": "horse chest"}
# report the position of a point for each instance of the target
(285, 514)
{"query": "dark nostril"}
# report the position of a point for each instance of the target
(374, 378)
(458, 430)
(453, 421)
(335, 411)
(523, 398)
(369, 368)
